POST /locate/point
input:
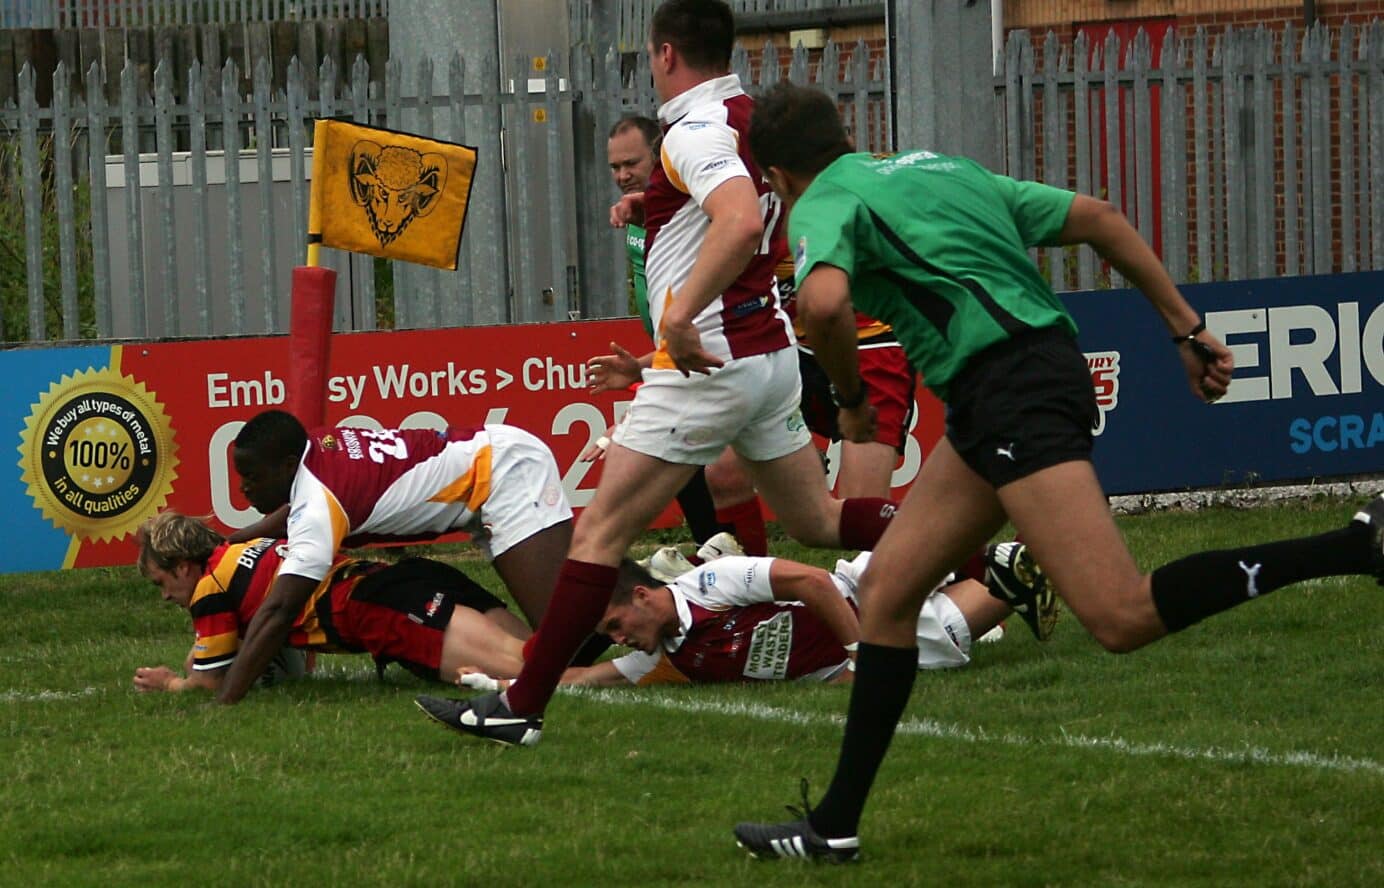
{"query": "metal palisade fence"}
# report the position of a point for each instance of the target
(1239, 154)
(1248, 153)
(145, 13)
(205, 246)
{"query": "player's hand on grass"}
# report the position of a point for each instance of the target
(857, 423)
(683, 344)
(1208, 364)
(611, 372)
(476, 680)
(153, 678)
(629, 208)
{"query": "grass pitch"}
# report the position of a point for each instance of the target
(1248, 750)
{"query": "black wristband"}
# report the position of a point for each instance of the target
(850, 404)
(1178, 340)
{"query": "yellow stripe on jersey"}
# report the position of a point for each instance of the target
(662, 360)
(341, 525)
(473, 487)
(664, 673)
(211, 648)
(671, 173)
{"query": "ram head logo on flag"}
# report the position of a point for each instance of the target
(389, 194)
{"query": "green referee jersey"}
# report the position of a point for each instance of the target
(935, 246)
(634, 248)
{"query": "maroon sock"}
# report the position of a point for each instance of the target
(974, 568)
(863, 520)
(748, 522)
(579, 601)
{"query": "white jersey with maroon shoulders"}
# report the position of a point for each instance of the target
(732, 629)
(706, 143)
(365, 484)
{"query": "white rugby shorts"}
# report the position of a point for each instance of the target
(751, 404)
(526, 493)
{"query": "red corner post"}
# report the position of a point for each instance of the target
(309, 352)
(310, 343)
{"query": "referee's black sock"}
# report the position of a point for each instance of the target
(883, 681)
(1193, 588)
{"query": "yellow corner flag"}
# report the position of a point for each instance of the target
(388, 194)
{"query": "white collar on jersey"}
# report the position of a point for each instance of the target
(671, 645)
(717, 89)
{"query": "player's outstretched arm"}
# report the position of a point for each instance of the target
(161, 678)
(267, 632)
(274, 525)
(1208, 362)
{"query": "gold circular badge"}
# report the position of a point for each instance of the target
(98, 454)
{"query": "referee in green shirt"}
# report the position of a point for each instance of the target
(936, 246)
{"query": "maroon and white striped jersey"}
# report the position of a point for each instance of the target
(358, 485)
(706, 143)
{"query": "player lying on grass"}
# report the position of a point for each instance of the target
(767, 619)
(427, 616)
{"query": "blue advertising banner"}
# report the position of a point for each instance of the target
(1307, 399)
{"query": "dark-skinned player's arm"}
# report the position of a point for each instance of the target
(266, 634)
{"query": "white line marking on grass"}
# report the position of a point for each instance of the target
(1250, 755)
(14, 696)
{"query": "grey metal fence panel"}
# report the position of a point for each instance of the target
(1234, 156)
(201, 224)
(271, 286)
(33, 204)
(1173, 216)
(163, 121)
(1292, 243)
(129, 140)
(147, 13)
(1346, 128)
(1141, 59)
(1081, 99)
(1263, 188)
(230, 134)
(96, 182)
(63, 187)
(1375, 75)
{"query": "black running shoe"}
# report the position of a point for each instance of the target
(1015, 578)
(797, 838)
(486, 717)
(1372, 516)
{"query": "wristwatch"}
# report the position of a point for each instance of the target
(849, 403)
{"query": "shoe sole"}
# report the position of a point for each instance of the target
(465, 733)
(820, 858)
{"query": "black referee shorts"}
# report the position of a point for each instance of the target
(1023, 405)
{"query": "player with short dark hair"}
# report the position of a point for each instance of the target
(937, 247)
(350, 486)
(425, 615)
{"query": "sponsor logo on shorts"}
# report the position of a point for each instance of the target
(552, 495)
(1105, 379)
(698, 437)
(888, 510)
(433, 605)
(795, 421)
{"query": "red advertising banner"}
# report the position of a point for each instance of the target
(531, 376)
